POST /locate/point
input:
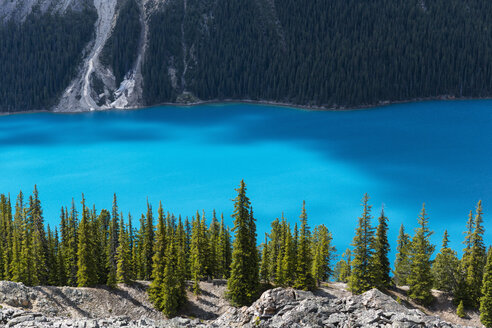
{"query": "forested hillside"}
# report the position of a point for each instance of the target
(323, 53)
(340, 53)
(39, 58)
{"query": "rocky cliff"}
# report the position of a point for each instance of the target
(127, 307)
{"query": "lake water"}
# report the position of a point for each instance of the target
(192, 158)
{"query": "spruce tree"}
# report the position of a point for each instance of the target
(213, 246)
(361, 278)
(264, 261)
(477, 260)
(322, 250)
(344, 267)
(288, 260)
(402, 262)
(86, 275)
(486, 299)
(196, 254)
(148, 240)
(304, 278)
(381, 266)
(123, 255)
(16, 266)
(159, 260)
(242, 284)
(420, 281)
(445, 267)
(112, 245)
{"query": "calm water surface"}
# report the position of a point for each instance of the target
(193, 158)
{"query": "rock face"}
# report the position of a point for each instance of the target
(281, 308)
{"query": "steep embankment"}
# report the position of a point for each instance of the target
(128, 306)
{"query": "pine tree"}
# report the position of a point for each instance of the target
(123, 255)
(39, 244)
(445, 267)
(381, 266)
(402, 262)
(242, 286)
(196, 254)
(420, 280)
(275, 250)
(86, 275)
(361, 278)
(461, 292)
(322, 250)
(477, 260)
(486, 299)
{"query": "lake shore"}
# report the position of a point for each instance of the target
(384, 103)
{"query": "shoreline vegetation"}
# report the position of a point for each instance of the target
(91, 247)
(381, 104)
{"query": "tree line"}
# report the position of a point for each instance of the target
(468, 279)
(91, 247)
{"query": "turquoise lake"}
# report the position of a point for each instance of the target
(192, 158)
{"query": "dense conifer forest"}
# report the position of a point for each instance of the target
(39, 58)
(121, 50)
(322, 53)
(90, 247)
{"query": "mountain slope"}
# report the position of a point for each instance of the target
(333, 54)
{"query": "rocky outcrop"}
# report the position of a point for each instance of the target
(279, 308)
(283, 308)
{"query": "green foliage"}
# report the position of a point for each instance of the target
(420, 280)
(86, 275)
(123, 255)
(380, 261)
(304, 279)
(343, 269)
(403, 261)
(322, 250)
(460, 310)
(445, 267)
(244, 280)
(476, 260)
(362, 279)
(486, 299)
(39, 57)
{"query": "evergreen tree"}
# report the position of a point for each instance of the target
(123, 255)
(344, 267)
(445, 267)
(16, 266)
(242, 284)
(213, 246)
(486, 299)
(264, 261)
(148, 240)
(460, 311)
(159, 260)
(288, 259)
(196, 254)
(477, 260)
(113, 245)
(402, 262)
(86, 275)
(304, 278)
(361, 279)
(322, 250)
(381, 266)
(420, 280)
